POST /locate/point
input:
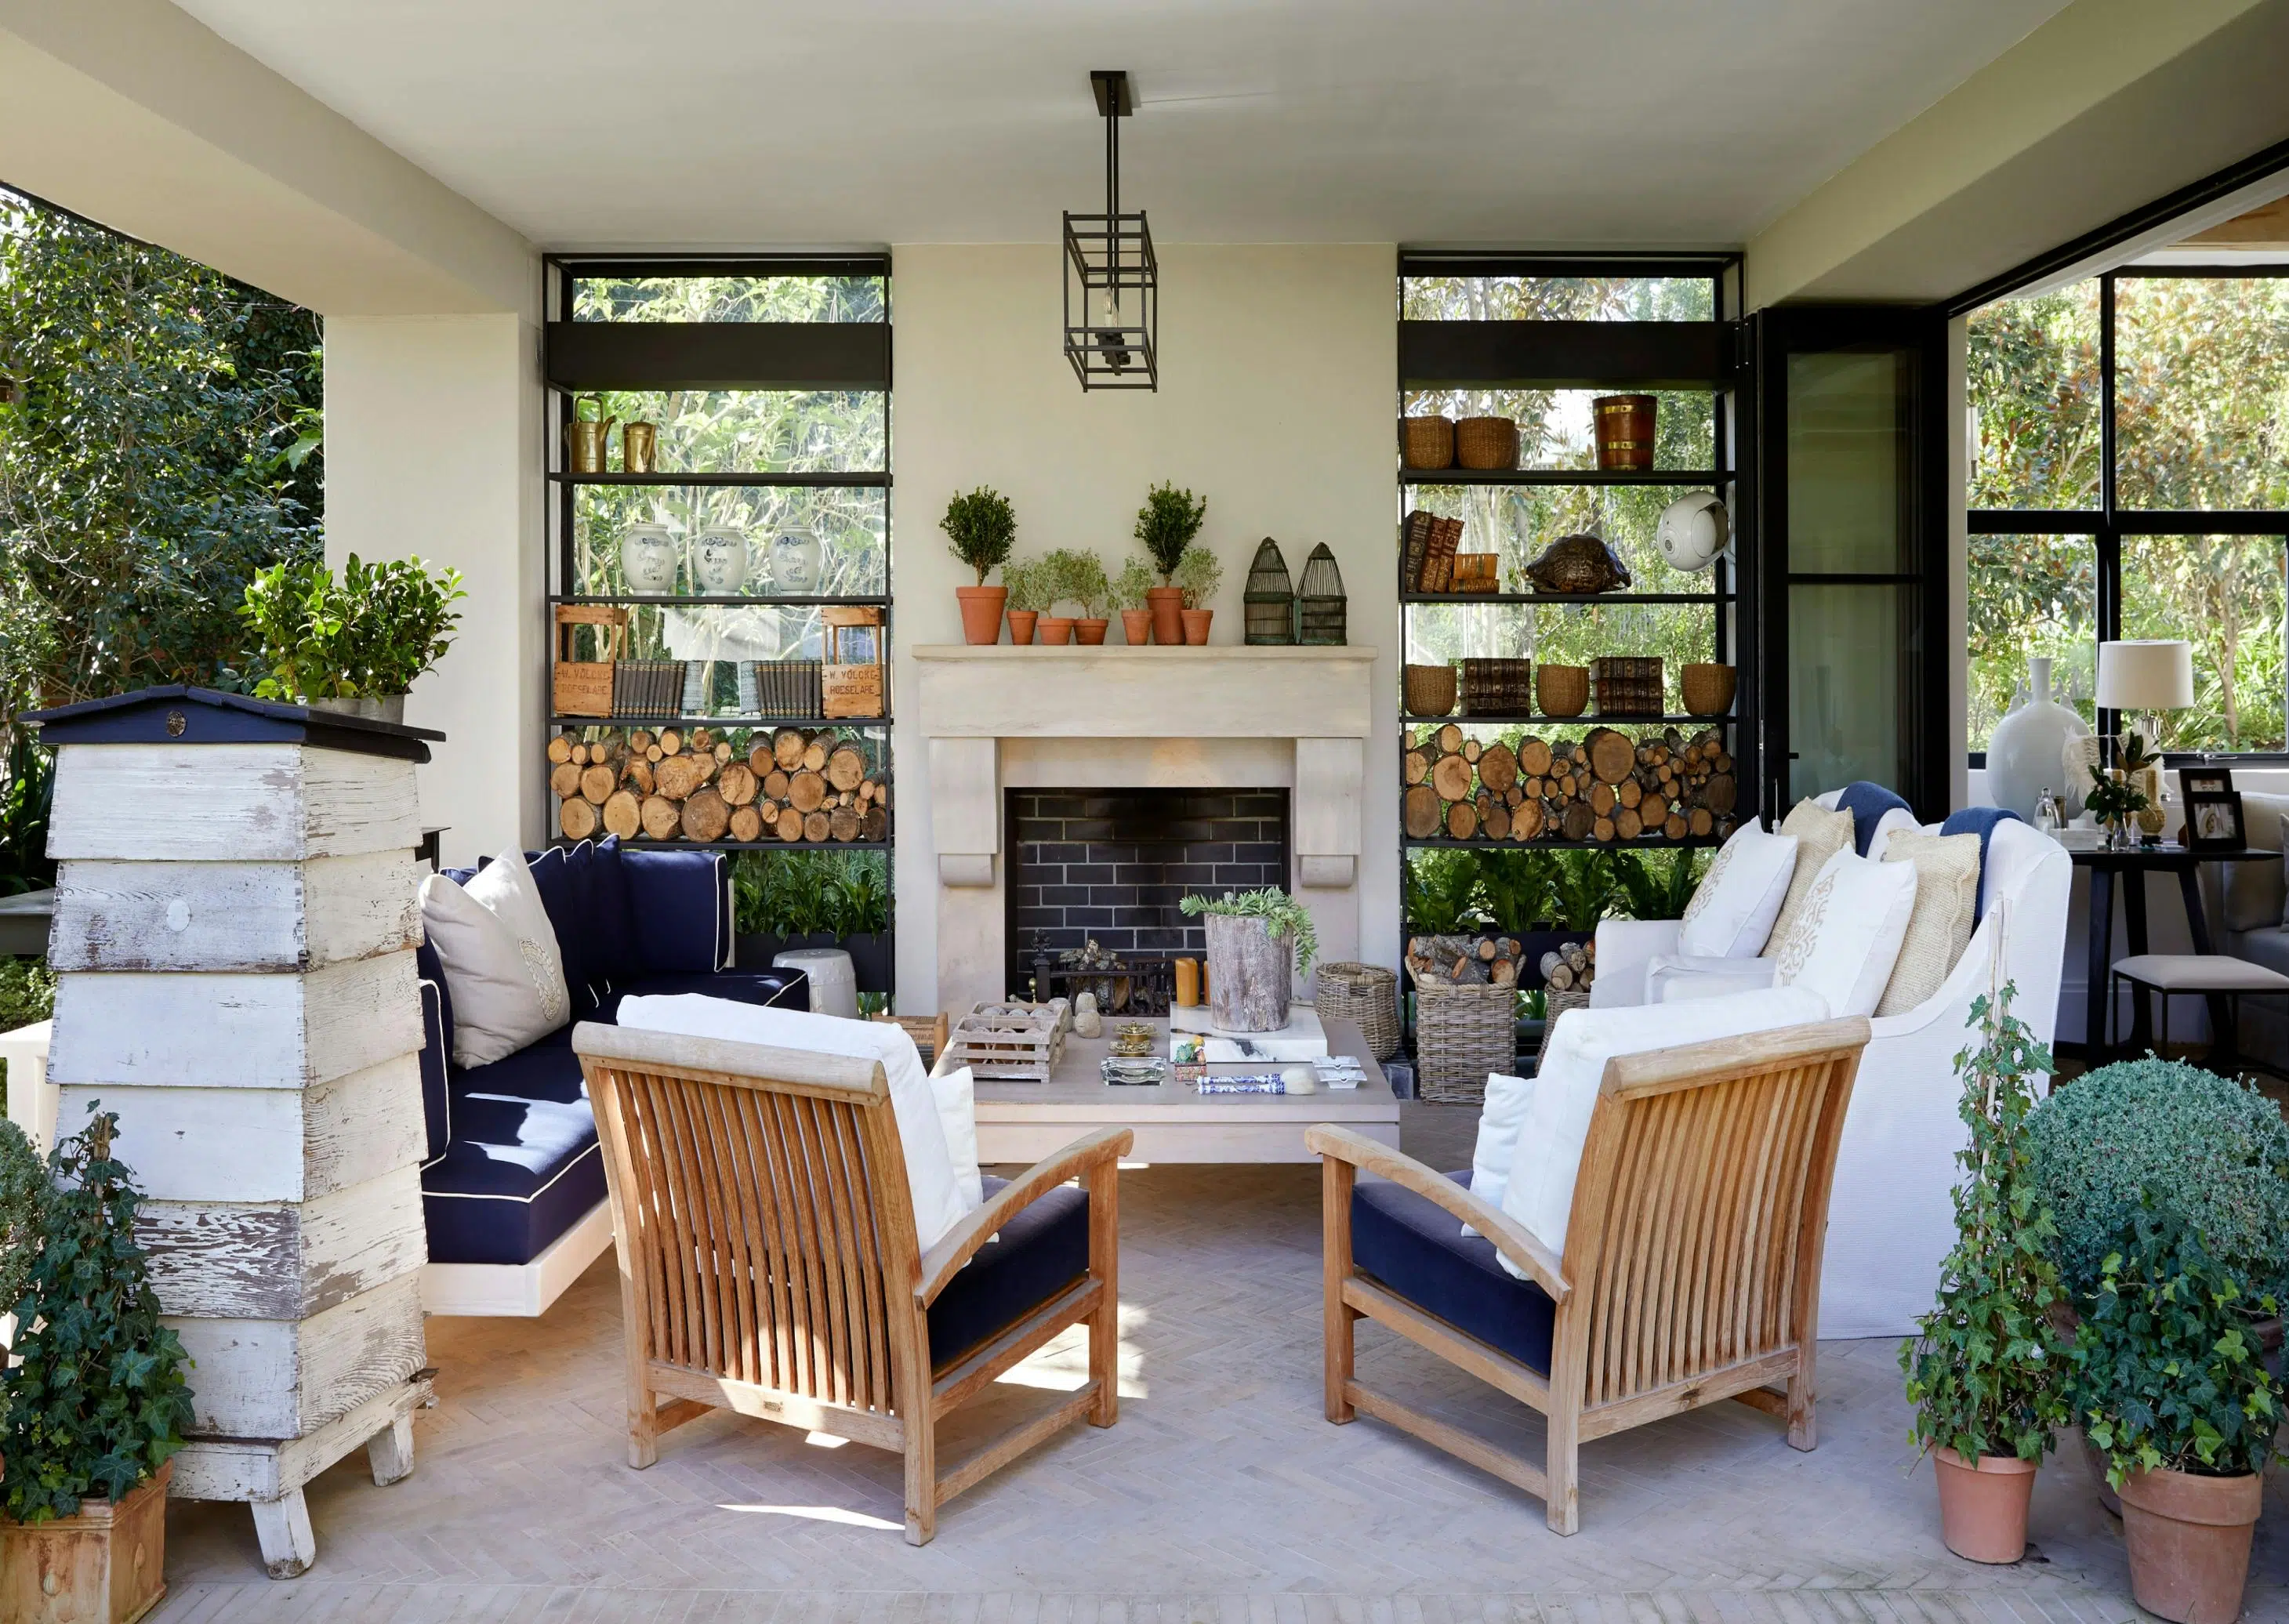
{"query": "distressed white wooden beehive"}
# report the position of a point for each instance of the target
(235, 932)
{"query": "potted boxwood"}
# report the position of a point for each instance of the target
(1256, 938)
(1166, 524)
(1025, 582)
(1075, 576)
(1132, 594)
(982, 526)
(1988, 1367)
(355, 645)
(1198, 576)
(93, 1407)
(2174, 1396)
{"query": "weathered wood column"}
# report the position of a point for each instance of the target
(235, 932)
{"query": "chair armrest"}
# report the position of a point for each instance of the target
(1510, 1237)
(1098, 1152)
(1625, 948)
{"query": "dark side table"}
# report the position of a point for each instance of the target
(2137, 862)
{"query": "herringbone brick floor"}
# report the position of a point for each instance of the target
(1221, 1498)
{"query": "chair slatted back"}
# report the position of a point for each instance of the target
(765, 1230)
(1698, 1218)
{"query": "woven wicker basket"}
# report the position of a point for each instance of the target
(1555, 1004)
(1427, 443)
(1708, 689)
(1486, 442)
(1461, 1032)
(1563, 690)
(1369, 994)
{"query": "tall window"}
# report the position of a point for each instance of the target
(2130, 478)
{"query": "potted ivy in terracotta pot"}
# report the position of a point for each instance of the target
(93, 1409)
(1023, 581)
(1986, 1369)
(1198, 576)
(1256, 939)
(1132, 595)
(982, 527)
(352, 646)
(1166, 524)
(2174, 1395)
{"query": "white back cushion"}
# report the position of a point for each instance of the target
(1846, 938)
(502, 968)
(1673, 978)
(1499, 1120)
(1733, 911)
(956, 1091)
(1548, 1161)
(939, 1200)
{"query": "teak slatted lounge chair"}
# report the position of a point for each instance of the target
(769, 1264)
(1692, 1260)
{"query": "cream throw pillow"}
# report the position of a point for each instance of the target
(1732, 912)
(1845, 942)
(1499, 1120)
(956, 1091)
(1939, 928)
(1820, 834)
(502, 968)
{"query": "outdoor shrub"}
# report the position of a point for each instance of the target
(1654, 886)
(27, 996)
(2213, 1152)
(367, 635)
(838, 893)
(982, 526)
(97, 1402)
(1442, 888)
(25, 797)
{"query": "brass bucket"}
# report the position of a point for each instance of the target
(639, 447)
(585, 443)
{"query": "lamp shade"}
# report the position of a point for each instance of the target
(2147, 674)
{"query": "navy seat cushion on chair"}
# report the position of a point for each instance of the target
(1042, 1250)
(1867, 802)
(1416, 1249)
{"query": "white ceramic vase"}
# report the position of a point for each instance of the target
(719, 563)
(794, 563)
(2025, 755)
(648, 559)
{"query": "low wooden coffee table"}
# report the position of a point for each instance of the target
(1020, 1123)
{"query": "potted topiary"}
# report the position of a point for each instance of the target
(1987, 1368)
(1132, 594)
(1248, 967)
(1198, 576)
(1074, 576)
(355, 645)
(2173, 1394)
(1025, 582)
(92, 1410)
(1166, 524)
(982, 526)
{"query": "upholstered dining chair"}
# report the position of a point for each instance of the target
(1691, 1269)
(768, 1263)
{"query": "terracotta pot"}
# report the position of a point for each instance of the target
(1056, 629)
(1136, 626)
(1166, 604)
(1021, 625)
(981, 612)
(1982, 1507)
(105, 1565)
(2189, 1539)
(1196, 625)
(1089, 631)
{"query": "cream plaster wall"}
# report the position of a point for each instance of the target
(432, 448)
(1276, 402)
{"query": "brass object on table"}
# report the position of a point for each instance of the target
(585, 441)
(1133, 1039)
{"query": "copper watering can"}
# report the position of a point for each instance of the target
(585, 441)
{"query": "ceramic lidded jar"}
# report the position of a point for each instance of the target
(648, 559)
(2023, 754)
(719, 560)
(794, 562)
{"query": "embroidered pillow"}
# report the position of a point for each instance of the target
(1732, 913)
(1939, 927)
(1846, 938)
(500, 955)
(1820, 834)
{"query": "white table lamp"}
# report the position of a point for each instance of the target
(2146, 674)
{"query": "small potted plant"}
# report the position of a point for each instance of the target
(1166, 524)
(352, 646)
(2115, 799)
(1254, 939)
(94, 1408)
(1076, 577)
(1024, 582)
(1198, 576)
(1988, 1366)
(982, 527)
(2174, 1396)
(1132, 594)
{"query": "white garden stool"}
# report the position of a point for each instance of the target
(833, 982)
(2218, 975)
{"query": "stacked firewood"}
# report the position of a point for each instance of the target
(1604, 786)
(1570, 967)
(795, 784)
(1465, 960)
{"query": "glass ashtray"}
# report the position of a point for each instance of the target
(1134, 1072)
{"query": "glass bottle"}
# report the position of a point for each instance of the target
(2047, 817)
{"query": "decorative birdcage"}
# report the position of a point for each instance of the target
(1270, 597)
(1320, 602)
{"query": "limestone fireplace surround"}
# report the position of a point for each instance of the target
(1223, 716)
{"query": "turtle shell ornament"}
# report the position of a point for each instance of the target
(1578, 564)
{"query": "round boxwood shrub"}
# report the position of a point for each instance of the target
(2215, 1152)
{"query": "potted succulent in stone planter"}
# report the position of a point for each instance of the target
(93, 1403)
(1258, 941)
(982, 527)
(355, 645)
(1132, 595)
(1988, 1367)
(1076, 576)
(2174, 1396)
(1198, 576)
(1166, 524)
(1025, 584)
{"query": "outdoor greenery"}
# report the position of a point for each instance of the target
(97, 1402)
(1166, 523)
(367, 635)
(2169, 1371)
(1130, 586)
(1076, 576)
(1513, 889)
(1988, 1367)
(2204, 1148)
(982, 526)
(838, 893)
(25, 795)
(1198, 573)
(1283, 916)
(27, 996)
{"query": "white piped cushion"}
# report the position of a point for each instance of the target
(957, 1114)
(1499, 1120)
(1673, 978)
(1739, 899)
(939, 1200)
(499, 951)
(1845, 940)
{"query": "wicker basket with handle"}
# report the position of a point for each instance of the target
(1462, 1030)
(1369, 994)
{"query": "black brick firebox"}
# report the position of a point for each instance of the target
(1110, 865)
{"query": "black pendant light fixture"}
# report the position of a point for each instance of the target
(1112, 281)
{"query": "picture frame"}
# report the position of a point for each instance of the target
(2213, 821)
(2205, 780)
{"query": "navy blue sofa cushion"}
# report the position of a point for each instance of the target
(1980, 821)
(1417, 1249)
(553, 878)
(437, 1050)
(520, 1172)
(684, 925)
(1042, 1250)
(610, 938)
(1867, 802)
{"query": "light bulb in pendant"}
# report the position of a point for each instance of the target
(1110, 340)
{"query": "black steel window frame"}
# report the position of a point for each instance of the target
(2109, 522)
